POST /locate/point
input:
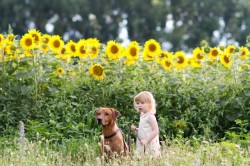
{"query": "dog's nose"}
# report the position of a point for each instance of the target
(99, 121)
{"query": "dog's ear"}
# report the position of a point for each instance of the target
(115, 113)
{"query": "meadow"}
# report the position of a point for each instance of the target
(83, 152)
(50, 90)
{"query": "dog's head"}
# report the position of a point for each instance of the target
(106, 116)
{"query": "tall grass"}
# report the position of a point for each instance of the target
(85, 152)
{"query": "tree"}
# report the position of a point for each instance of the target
(182, 24)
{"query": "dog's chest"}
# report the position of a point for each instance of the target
(108, 141)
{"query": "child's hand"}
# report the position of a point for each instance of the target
(144, 142)
(132, 127)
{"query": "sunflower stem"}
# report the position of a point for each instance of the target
(235, 66)
(3, 73)
(35, 75)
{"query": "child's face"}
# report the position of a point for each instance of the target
(142, 107)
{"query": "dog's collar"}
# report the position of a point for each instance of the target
(112, 135)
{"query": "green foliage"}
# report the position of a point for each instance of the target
(199, 102)
(240, 133)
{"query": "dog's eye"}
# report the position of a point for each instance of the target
(106, 114)
(98, 113)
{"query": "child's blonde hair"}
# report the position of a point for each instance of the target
(146, 97)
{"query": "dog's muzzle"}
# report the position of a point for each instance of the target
(99, 121)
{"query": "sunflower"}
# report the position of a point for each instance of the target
(1, 39)
(71, 48)
(93, 42)
(166, 63)
(63, 55)
(244, 67)
(244, 53)
(230, 49)
(152, 47)
(147, 56)
(81, 49)
(181, 60)
(73, 74)
(10, 38)
(27, 42)
(46, 38)
(97, 71)
(198, 54)
(163, 55)
(28, 53)
(45, 43)
(195, 62)
(93, 47)
(214, 53)
(44, 48)
(10, 49)
(56, 44)
(93, 51)
(36, 35)
(225, 59)
(59, 71)
(113, 50)
(129, 62)
(132, 51)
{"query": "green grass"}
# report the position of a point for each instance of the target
(85, 152)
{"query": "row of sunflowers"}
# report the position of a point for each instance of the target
(35, 43)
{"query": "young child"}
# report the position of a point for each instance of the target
(148, 131)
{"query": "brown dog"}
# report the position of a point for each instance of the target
(114, 143)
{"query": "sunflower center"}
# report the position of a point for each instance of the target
(36, 37)
(46, 41)
(181, 60)
(199, 56)
(167, 63)
(73, 48)
(152, 47)
(56, 44)
(44, 46)
(226, 59)
(162, 55)
(94, 50)
(149, 56)
(133, 51)
(231, 50)
(28, 42)
(82, 50)
(243, 53)
(114, 49)
(63, 51)
(12, 48)
(215, 53)
(10, 38)
(98, 70)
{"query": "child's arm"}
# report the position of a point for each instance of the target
(133, 128)
(155, 130)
